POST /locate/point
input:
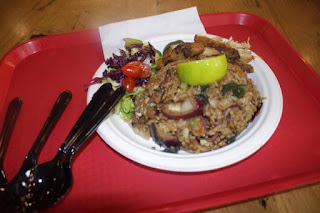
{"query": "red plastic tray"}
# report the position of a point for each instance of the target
(38, 70)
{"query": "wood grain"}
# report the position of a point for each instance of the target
(298, 21)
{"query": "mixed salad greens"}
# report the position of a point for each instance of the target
(132, 68)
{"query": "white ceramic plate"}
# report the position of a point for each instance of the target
(118, 134)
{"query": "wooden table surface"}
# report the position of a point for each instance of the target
(298, 21)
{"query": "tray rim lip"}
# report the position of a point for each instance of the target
(40, 39)
(10, 60)
(303, 179)
(283, 39)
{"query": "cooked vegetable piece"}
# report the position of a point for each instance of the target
(127, 107)
(182, 51)
(231, 139)
(169, 142)
(158, 56)
(197, 125)
(131, 70)
(203, 94)
(171, 45)
(231, 53)
(131, 41)
(238, 90)
(145, 69)
(128, 83)
(183, 110)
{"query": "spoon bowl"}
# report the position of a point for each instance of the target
(39, 191)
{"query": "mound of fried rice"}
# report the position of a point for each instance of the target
(224, 114)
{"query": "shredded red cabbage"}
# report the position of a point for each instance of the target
(116, 62)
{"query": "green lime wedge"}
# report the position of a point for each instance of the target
(204, 71)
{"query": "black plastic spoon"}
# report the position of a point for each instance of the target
(68, 146)
(45, 184)
(7, 128)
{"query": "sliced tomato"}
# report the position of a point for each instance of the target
(131, 70)
(146, 69)
(128, 83)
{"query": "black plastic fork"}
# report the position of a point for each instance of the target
(7, 129)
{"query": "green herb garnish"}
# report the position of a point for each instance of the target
(172, 149)
(238, 90)
(203, 93)
(231, 139)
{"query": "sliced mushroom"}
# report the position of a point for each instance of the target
(231, 53)
(182, 51)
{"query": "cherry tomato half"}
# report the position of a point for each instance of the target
(128, 83)
(145, 69)
(132, 71)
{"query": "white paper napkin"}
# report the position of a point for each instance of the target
(180, 21)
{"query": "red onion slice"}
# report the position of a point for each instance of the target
(183, 110)
(163, 139)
